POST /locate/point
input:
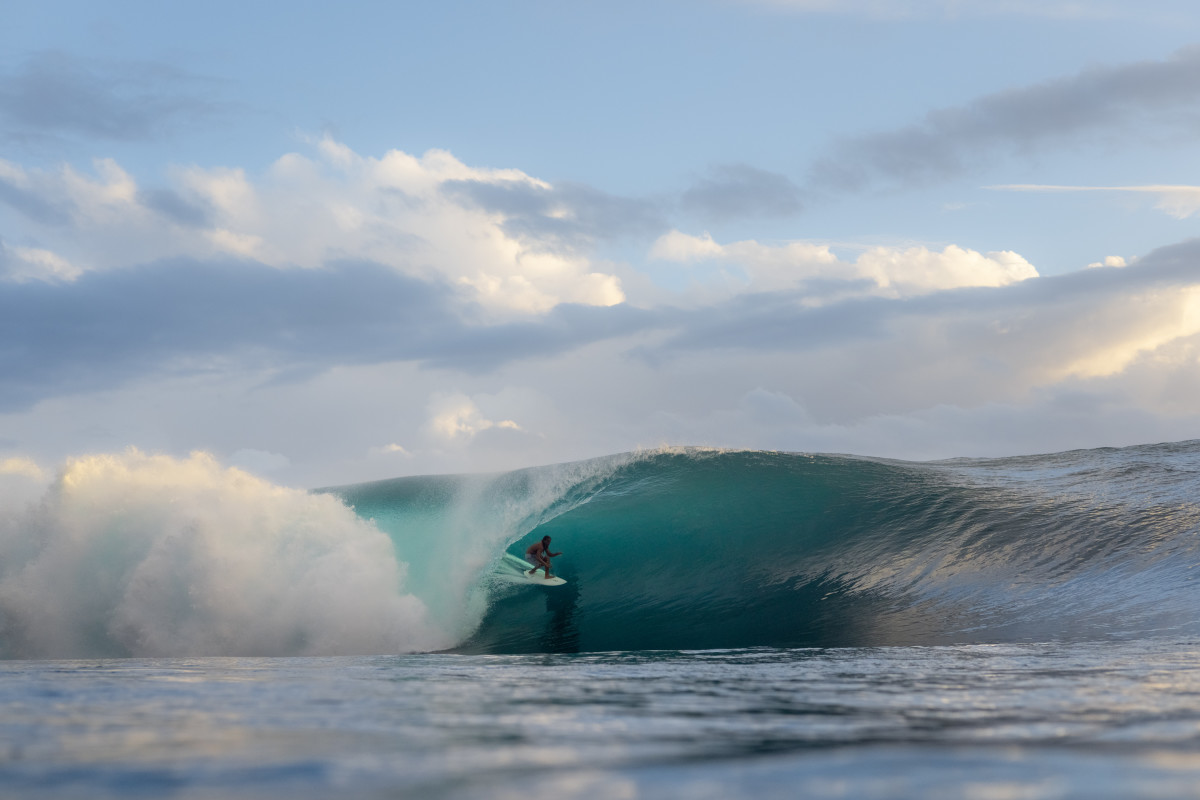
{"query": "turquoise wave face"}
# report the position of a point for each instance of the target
(699, 549)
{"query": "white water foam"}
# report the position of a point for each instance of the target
(147, 555)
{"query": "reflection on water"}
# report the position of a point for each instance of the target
(562, 634)
(1039, 720)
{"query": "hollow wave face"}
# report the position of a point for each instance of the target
(694, 550)
(140, 555)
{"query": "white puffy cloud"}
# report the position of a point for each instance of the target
(678, 246)
(884, 271)
(305, 211)
(1109, 261)
(391, 450)
(918, 270)
(21, 466)
(456, 417)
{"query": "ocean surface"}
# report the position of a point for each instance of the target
(735, 624)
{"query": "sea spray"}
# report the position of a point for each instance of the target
(451, 530)
(147, 555)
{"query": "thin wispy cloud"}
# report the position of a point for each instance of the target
(740, 191)
(564, 216)
(55, 95)
(1129, 102)
(1179, 201)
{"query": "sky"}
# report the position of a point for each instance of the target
(336, 243)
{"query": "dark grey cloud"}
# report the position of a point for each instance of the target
(1131, 99)
(54, 95)
(567, 215)
(730, 191)
(106, 329)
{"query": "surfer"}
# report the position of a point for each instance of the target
(539, 555)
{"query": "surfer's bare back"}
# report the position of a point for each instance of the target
(539, 555)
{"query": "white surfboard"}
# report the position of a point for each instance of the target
(516, 570)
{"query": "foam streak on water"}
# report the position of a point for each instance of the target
(1030, 721)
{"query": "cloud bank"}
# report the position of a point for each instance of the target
(487, 318)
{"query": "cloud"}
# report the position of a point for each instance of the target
(1105, 355)
(1131, 100)
(176, 208)
(22, 481)
(21, 466)
(183, 317)
(731, 191)
(456, 417)
(428, 273)
(260, 462)
(881, 271)
(562, 217)
(682, 247)
(391, 449)
(1178, 201)
(963, 346)
(107, 328)
(54, 94)
(1048, 421)
(21, 264)
(425, 217)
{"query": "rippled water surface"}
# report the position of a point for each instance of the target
(1020, 720)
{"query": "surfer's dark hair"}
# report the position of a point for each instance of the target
(545, 538)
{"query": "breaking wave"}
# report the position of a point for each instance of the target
(133, 554)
